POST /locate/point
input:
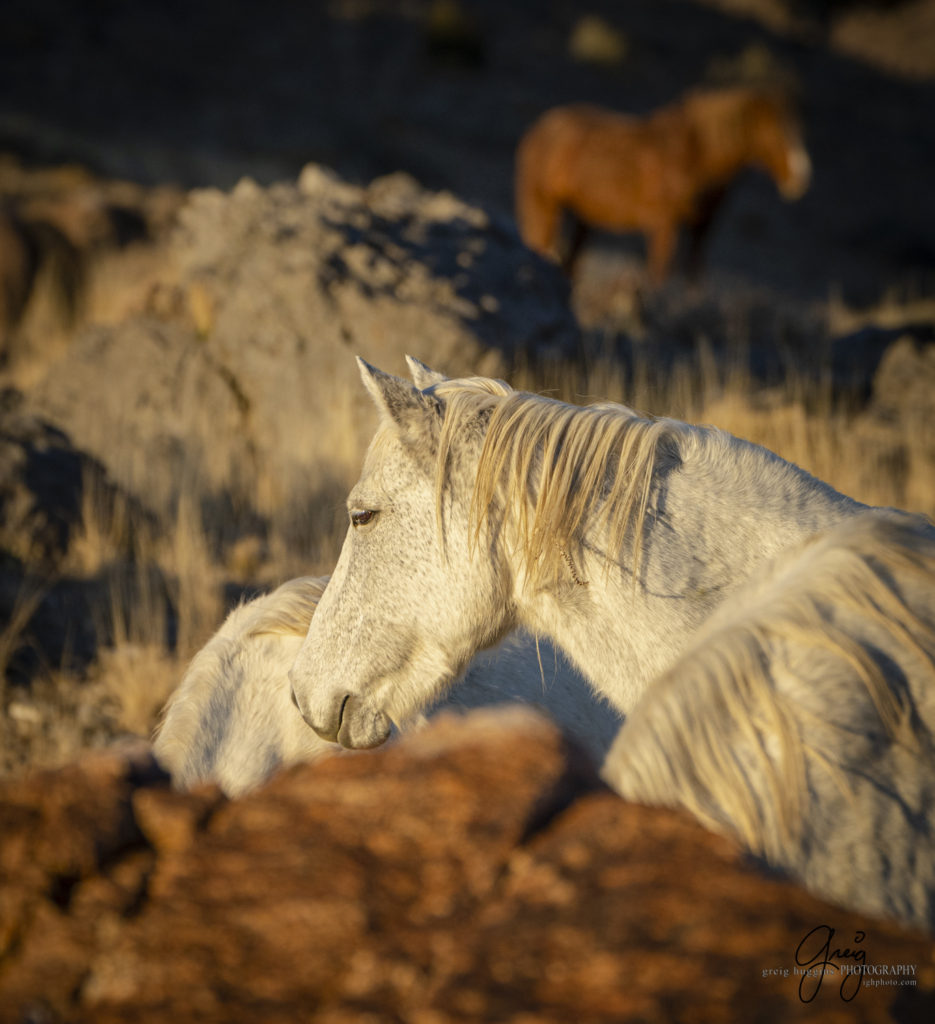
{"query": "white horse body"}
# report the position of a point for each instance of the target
(480, 510)
(232, 722)
(443, 567)
(801, 718)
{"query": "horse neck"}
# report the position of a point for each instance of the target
(726, 145)
(742, 504)
(729, 507)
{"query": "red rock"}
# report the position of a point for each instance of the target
(474, 871)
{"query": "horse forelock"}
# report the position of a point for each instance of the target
(545, 466)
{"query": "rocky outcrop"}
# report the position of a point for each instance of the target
(247, 351)
(475, 871)
(896, 428)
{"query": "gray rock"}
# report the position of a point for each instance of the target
(271, 292)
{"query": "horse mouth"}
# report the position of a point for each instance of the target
(799, 178)
(337, 728)
(359, 726)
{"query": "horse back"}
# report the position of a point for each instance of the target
(618, 171)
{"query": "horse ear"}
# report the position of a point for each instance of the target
(397, 399)
(423, 376)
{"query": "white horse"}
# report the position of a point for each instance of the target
(481, 509)
(800, 719)
(232, 721)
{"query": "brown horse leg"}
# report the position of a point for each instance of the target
(537, 217)
(700, 228)
(662, 241)
(579, 232)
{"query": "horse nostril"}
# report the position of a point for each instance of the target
(294, 701)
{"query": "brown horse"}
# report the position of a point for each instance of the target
(654, 174)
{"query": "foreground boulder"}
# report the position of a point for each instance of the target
(475, 871)
(241, 368)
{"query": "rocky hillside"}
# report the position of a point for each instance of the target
(206, 412)
(477, 871)
(242, 357)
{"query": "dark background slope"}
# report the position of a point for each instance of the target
(203, 93)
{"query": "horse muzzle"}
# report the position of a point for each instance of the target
(799, 177)
(351, 722)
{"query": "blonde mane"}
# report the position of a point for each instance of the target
(291, 611)
(284, 612)
(721, 730)
(556, 469)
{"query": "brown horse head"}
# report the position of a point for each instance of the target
(776, 144)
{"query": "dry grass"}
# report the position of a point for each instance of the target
(26, 602)
(159, 589)
(897, 306)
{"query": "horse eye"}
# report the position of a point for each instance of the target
(360, 517)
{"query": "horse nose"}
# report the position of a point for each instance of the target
(800, 175)
(328, 730)
(326, 734)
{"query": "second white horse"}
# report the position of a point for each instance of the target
(232, 721)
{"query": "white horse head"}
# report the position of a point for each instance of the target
(432, 587)
(480, 509)
(232, 722)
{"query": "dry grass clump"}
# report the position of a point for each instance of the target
(11, 635)
(159, 587)
(896, 307)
